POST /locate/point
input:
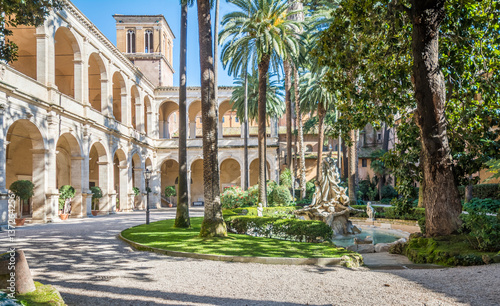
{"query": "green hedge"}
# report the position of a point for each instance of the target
(388, 212)
(289, 229)
(267, 212)
(489, 205)
(482, 191)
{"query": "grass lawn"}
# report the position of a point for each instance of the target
(43, 295)
(163, 235)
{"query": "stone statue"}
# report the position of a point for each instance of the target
(330, 203)
(260, 210)
(370, 211)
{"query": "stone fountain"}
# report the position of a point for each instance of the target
(330, 203)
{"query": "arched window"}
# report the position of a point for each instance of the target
(148, 41)
(130, 41)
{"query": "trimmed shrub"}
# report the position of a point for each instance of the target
(267, 212)
(388, 212)
(489, 205)
(23, 189)
(96, 195)
(482, 191)
(288, 229)
(280, 196)
(170, 191)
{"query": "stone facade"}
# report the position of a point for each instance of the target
(75, 110)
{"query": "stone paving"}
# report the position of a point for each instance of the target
(90, 266)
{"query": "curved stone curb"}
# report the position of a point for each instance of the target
(345, 261)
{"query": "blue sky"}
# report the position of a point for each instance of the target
(100, 13)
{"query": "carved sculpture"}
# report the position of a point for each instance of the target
(330, 203)
(370, 211)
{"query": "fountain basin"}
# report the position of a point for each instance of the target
(382, 239)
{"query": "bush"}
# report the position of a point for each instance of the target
(267, 212)
(489, 205)
(96, 195)
(233, 197)
(170, 191)
(421, 224)
(65, 192)
(281, 196)
(23, 189)
(483, 230)
(136, 191)
(303, 202)
(289, 229)
(482, 191)
(310, 189)
(388, 192)
(286, 178)
(388, 212)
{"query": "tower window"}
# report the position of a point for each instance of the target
(364, 163)
(148, 41)
(130, 41)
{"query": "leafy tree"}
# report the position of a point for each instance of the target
(17, 13)
(275, 107)
(402, 67)
(213, 223)
(261, 32)
(22, 189)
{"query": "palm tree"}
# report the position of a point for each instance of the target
(213, 223)
(182, 213)
(315, 97)
(275, 107)
(261, 32)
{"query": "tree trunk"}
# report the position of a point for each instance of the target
(440, 193)
(345, 161)
(321, 139)
(245, 122)
(182, 213)
(288, 103)
(213, 223)
(353, 165)
(300, 132)
(468, 190)
(263, 69)
(385, 148)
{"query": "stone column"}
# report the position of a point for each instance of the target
(86, 193)
(220, 129)
(155, 185)
(106, 109)
(139, 183)
(139, 116)
(123, 193)
(104, 202)
(192, 129)
(41, 209)
(44, 74)
(150, 124)
(189, 184)
(274, 127)
(78, 207)
(124, 109)
(86, 204)
(112, 200)
(52, 193)
(80, 73)
(4, 193)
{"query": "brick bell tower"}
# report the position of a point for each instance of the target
(148, 42)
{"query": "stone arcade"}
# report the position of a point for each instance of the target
(77, 110)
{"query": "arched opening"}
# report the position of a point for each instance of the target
(130, 41)
(194, 116)
(168, 120)
(120, 180)
(66, 54)
(230, 173)
(24, 38)
(97, 74)
(254, 172)
(69, 170)
(309, 149)
(137, 181)
(148, 41)
(229, 124)
(119, 94)
(197, 193)
(134, 94)
(98, 176)
(25, 160)
(169, 177)
(147, 115)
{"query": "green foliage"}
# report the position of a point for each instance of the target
(286, 211)
(494, 168)
(96, 195)
(482, 191)
(234, 197)
(489, 205)
(286, 178)
(388, 192)
(288, 229)
(136, 191)
(389, 213)
(421, 224)
(170, 191)
(367, 189)
(448, 250)
(310, 189)
(280, 196)
(23, 189)
(484, 230)
(65, 192)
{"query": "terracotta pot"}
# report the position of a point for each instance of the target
(20, 221)
(94, 212)
(170, 205)
(64, 216)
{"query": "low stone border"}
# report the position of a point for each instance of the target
(346, 261)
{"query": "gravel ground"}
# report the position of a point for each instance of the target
(90, 266)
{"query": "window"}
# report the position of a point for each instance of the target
(130, 41)
(148, 41)
(222, 119)
(364, 163)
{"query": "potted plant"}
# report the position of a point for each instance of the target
(170, 192)
(23, 190)
(96, 195)
(136, 193)
(66, 194)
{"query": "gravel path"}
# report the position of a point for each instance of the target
(90, 266)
